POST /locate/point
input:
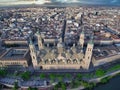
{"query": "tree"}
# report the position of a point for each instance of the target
(60, 78)
(42, 76)
(1, 87)
(55, 87)
(15, 86)
(52, 76)
(79, 76)
(68, 75)
(72, 84)
(85, 84)
(25, 75)
(106, 79)
(2, 72)
(75, 83)
(63, 86)
(91, 86)
(32, 88)
(100, 72)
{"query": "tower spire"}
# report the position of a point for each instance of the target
(81, 39)
(40, 44)
(30, 41)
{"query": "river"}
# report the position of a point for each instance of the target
(113, 84)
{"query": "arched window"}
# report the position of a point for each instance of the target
(41, 67)
(81, 67)
(69, 61)
(75, 61)
(53, 61)
(46, 61)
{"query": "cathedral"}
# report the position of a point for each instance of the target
(61, 56)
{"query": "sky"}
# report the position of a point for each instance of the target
(89, 1)
(114, 2)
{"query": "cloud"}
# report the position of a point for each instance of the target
(65, 1)
(114, 1)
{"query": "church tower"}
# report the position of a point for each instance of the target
(81, 40)
(40, 44)
(33, 54)
(88, 54)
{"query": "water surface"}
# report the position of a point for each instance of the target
(113, 84)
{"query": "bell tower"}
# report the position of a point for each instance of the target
(88, 54)
(33, 54)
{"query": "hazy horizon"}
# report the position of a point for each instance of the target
(104, 2)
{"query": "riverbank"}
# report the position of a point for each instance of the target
(99, 82)
(63, 80)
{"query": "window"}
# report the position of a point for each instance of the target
(88, 57)
(33, 57)
(89, 49)
(41, 67)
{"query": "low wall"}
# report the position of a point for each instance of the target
(64, 66)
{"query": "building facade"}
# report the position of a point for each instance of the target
(15, 57)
